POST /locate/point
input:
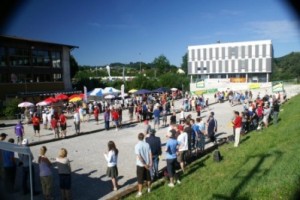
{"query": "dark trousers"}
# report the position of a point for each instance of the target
(9, 178)
(106, 125)
(25, 178)
(77, 127)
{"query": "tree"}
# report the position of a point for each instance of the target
(161, 63)
(184, 64)
(73, 66)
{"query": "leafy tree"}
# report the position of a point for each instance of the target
(184, 64)
(11, 108)
(74, 67)
(161, 63)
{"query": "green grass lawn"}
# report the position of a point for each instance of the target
(266, 165)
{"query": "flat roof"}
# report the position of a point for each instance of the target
(220, 44)
(37, 41)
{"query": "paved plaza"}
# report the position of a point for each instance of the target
(86, 151)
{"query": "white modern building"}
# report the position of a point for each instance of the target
(249, 61)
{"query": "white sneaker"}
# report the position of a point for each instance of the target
(171, 185)
(178, 182)
(149, 190)
(138, 195)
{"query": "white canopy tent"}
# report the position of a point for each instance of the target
(110, 90)
(20, 150)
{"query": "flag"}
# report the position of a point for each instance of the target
(123, 73)
(122, 91)
(85, 94)
(108, 72)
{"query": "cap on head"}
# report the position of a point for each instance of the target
(25, 142)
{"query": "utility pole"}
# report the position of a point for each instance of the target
(140, 64)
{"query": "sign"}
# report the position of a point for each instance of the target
(122, 91)
(254, 86)
(200, 84)
(277, 86)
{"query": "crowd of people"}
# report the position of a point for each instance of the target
(186, 137)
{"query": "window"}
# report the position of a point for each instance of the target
(56, 59)
(2, 56)
(18, 57)
(40, 58)
(57, 77)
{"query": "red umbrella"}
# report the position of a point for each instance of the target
(61, 97)
(50, 100)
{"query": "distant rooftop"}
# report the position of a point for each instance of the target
(36, 41)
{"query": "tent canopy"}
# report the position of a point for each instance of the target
(110, 90)
(161, 90)
(98, 92)
(142, 91)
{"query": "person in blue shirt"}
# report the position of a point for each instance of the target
(156, 114)
(171, 157)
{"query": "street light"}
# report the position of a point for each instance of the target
(140, 63)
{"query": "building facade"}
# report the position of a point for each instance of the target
(238, 61)
(30, 66)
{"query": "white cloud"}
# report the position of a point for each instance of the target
(280, 30)
(230, 12)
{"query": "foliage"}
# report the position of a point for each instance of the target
(74, 67)
(172, 79)
(264, 166)
(161, 63)
(11, 108)
(184, 64)
(286, 67)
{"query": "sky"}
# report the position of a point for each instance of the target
(108, 31)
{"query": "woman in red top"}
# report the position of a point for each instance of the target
(96, 114)
(63, 125)
(54, 126)
(36, 125)
(115, 117)
(237, 125)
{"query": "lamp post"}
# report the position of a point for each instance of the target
(140, 63)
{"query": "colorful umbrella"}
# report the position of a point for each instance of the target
(50, 100)
(75, 99)
(76, 95)
(61, 97)
(42, 103)
(25, 104)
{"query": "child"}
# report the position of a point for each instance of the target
(64, 171)
(112, 158)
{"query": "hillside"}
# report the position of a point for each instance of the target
(286, 67)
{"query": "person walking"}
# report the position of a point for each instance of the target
(63, 125)
(64, 172)
(45, 173)
(106, 118)
(143, 164)
(171, 157)
(19, 131)
(155, 146)
(112, 159)
(36, 125)
(237, 125)
(54, 126)
(77, 122)
(96, 114)
(212, 127)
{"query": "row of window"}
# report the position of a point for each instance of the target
(221, 53)
(25, 57)
(30, 78)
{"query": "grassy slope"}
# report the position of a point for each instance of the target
(265, 166)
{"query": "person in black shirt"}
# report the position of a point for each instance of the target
(155, 146)
(275, 112)
(173, 119)
(188, 129)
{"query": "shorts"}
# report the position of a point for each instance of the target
(142, 174)
(36, 127)
(116, 122)
(112, 172)
(63, 127)
(181, 156)
(65, 181)
(171, 166)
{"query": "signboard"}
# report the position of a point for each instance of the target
(200, 84)
(254, 86)
(277, 86)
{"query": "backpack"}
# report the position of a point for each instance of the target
(217, 156)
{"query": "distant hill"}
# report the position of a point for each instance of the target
(286, 67)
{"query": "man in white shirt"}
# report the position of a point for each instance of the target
(77, 122)
(183, 146)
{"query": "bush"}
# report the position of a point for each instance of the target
(11, 108)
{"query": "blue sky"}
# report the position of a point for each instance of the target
(139, 30)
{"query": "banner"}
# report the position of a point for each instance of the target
(123, 73)
(108, 72)
(277, 86)
(122, 91)
(85, 94)
(200, 84)
(254, 86)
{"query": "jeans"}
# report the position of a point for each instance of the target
(275, 117)
(106, 125)
(77, 127)
(155, 161)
